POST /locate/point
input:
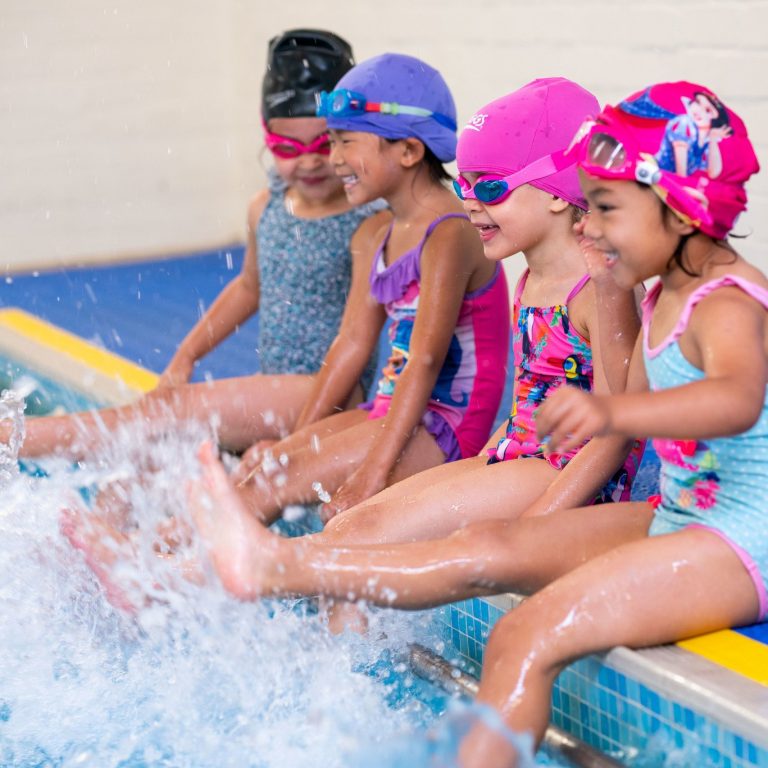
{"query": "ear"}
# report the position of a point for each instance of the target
(675, 224)
(412, 152)
(558, 205)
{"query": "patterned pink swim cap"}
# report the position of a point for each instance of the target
(701, 148)
(537, 120)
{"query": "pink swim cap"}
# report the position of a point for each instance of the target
(537, 120)
(700, 151)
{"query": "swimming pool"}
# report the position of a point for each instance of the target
(169, 689)
(623, 702)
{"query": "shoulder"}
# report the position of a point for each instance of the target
(256, 206)
(371, 232)
(454, 237)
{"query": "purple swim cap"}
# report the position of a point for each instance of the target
(538, 119)
(408, 81)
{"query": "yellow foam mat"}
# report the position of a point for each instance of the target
(733, 651)
(66, 345)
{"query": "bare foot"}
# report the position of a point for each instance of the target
(243, 552)
(104, 549)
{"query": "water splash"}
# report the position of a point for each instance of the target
(11, 416)
(197, 679)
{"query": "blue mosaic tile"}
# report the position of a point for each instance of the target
(605, 708)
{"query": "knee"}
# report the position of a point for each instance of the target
(529, 636)
(354, 527)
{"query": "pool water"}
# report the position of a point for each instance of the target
(196, 678)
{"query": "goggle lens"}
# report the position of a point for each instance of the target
(489, 191)
(288, 149)
(605, 151)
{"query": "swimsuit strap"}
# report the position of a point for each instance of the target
(583, 280)
(757, 292)
(379, 257)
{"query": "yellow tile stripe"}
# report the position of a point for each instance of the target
(733, 651)
(63, 342)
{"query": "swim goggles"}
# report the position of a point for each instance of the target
(344, 103)
(288, 148)
(604, 152)
(493, 189)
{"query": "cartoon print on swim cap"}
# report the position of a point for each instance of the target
(691, 137)
(687, 132)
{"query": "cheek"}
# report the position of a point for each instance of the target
(285, 167)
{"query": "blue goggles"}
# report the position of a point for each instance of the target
(344, 103)
(492, 190)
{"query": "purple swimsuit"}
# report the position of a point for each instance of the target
(463, 403)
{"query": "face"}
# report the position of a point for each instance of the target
(702, 111)
(367, 165)
(310, 174)
(516, 224)
(629, 224)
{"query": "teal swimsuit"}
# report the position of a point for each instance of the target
(720, 484)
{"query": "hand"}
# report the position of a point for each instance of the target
(716, 135)
(178, 372)
(570, 416)
(358, 487)
(250, 460)
(594, 258)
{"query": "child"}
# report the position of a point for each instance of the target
(392, 121)
(301, 262)
(691, 561)
(298, 265)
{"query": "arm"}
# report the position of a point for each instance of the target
(614, 324)
(232, 307)
(591, 468)
(358, 334)
(727, 401)
(447, 264)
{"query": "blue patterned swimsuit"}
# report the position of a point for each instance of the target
(305, 270)
(720, 484)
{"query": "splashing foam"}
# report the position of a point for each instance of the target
(196, 679)
(11, 411)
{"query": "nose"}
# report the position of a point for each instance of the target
(335, 156)
(311, 160)
(471, 204)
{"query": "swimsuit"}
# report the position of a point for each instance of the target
(305, 270)
(466, 396)
(719, 484)
(549, 352)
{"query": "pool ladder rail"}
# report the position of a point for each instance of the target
(436, 669)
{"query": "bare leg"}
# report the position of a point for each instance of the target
(326, 453)
(247, 408)
(443, 499)
(652, 591)
(484, 558)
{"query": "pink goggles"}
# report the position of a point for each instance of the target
(602, 152)
(288, 148)
(493, 189)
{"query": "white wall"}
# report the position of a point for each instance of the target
(130, 129)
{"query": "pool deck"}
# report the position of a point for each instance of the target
(110, 330)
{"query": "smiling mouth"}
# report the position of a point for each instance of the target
(486, 231)
(349, 180)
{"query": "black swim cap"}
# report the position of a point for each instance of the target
(300, 64)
